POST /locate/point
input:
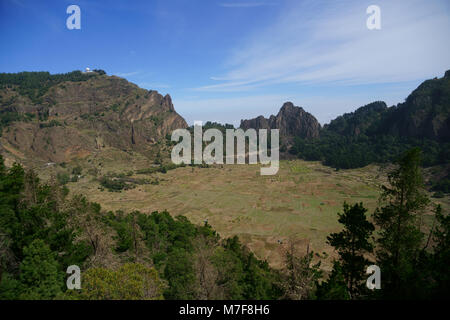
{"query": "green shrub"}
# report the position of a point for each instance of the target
(115, 185)
(77, 170)
(62, 178)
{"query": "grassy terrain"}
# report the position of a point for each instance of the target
(301, 201)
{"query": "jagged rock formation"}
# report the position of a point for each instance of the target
(290, 120)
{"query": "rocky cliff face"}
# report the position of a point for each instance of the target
(292, 121)
(425, 113)
(76, 118)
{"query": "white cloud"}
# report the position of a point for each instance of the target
(317, 42)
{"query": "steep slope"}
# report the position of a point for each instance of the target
(424, 114)
(70, 118)
(360, 121)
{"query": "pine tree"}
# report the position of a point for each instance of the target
(2, 167)
(39, 275)
(399, 220)
(335, 288)
(352, 244)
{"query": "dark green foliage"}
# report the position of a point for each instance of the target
(215, 125)
(335, 288)
(161, 168)
(400, 241)
(62, 178)
(99, 71)
(35, 84)
(157, 120)
(346, 152)
(116, 182)
(126, 227)
(170, 242)
(37, 241)
(440, 259)
(442, 185)
(412, 266)
(251, 278)
(115, 107)
(40, 277)
(352, 245)
(362, 120)
(115, 185)
(9, 287)
(6, 117)
(2, 167)
(50, 124)
(180, 274)
(377, 134)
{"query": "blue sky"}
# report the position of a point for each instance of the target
(225, 60)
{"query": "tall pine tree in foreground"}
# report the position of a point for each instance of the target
(353, 245)
(400, 240)
(39, 274)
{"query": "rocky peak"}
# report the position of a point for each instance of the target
(168, 103)
(291, 121)
(287, 106)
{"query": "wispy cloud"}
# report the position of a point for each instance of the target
(317, 42)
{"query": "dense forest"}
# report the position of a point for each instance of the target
(134, 255)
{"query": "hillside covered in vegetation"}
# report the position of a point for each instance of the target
(60, 117)
(376, 133)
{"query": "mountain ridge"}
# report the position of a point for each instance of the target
(67, 116)
(73, 119)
